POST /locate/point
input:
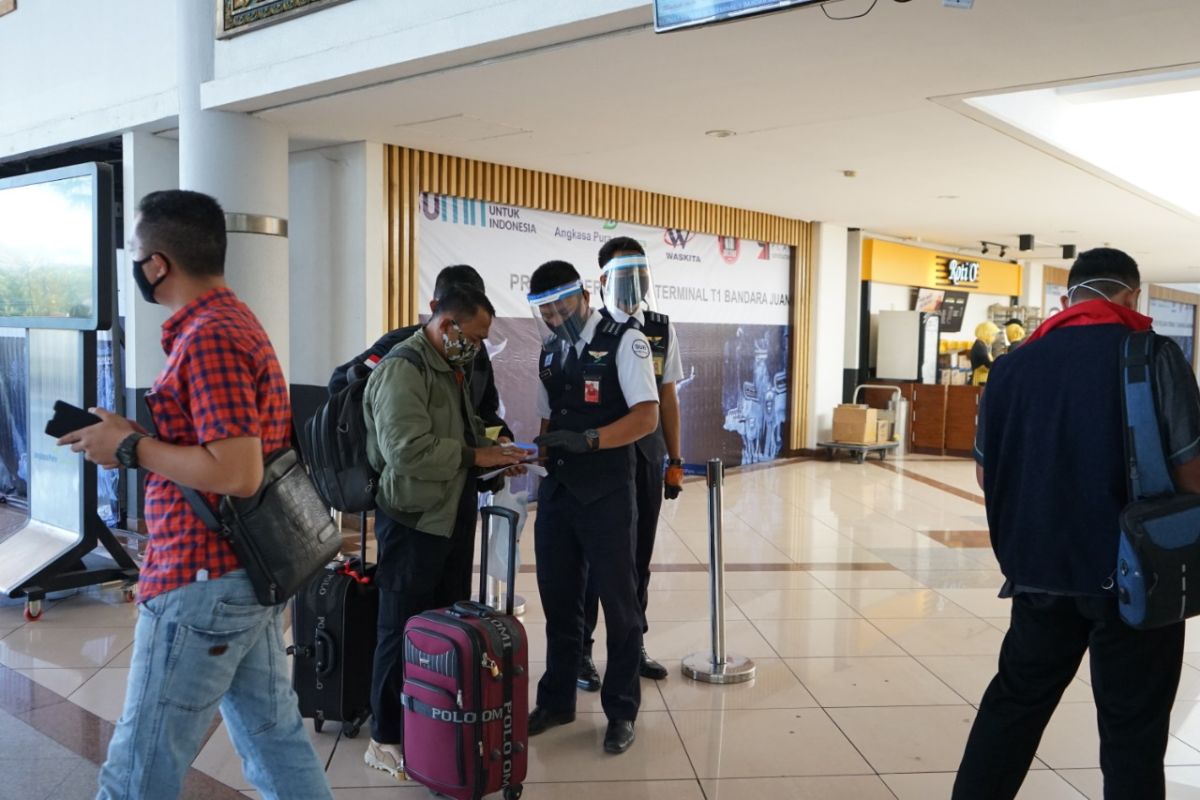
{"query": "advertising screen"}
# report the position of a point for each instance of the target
(56, 249)
(671, 15)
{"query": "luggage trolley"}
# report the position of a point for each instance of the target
(859, 451)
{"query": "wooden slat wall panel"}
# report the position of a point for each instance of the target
(1056, 275)
(411, 172)
(1173, 295)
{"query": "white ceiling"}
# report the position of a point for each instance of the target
(809, 98)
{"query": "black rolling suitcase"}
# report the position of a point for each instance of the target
(334, 626)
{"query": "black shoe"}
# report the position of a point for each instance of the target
(619, 736)
(589, 678)
(543, 719)
(651, 669)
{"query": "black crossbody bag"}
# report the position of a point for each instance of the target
(282, 534)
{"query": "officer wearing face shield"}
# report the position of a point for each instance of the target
(597, 397)
(628, 293)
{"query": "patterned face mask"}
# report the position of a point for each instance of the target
(459, 352)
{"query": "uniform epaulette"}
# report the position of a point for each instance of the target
(657, 318)
(610, 328)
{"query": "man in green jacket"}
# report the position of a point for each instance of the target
(425, 440)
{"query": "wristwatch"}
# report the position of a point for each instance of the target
(593, 438)
(127, 450)
(674, 462)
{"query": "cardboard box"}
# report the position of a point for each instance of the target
(883, 430)
(855, 424)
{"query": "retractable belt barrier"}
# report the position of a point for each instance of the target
(715, 665)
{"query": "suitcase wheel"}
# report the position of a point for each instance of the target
(318, 723)
(351, 729)
(514, 792)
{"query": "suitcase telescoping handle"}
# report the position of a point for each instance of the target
(362, 532)
(487, 513)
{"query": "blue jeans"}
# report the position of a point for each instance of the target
(195, 647)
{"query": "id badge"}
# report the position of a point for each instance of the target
(591, 391)
(658, 364)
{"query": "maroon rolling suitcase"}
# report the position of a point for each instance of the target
(466, 692)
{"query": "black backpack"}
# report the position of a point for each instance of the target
(334, 444)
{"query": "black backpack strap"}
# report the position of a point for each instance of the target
(409, 355)
(203, 510)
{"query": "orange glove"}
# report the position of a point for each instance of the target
(673, 482)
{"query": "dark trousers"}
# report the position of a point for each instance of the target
(1134, 678)
(572, 540)
(648, 483)
(417, 572)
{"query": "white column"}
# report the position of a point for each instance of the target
(149, 163)
(853, 306)
(338, 238)
(828, 333)
(243, 163)
(1033, 284)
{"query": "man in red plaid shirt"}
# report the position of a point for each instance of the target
(202, 639)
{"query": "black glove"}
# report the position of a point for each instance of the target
(571, 441)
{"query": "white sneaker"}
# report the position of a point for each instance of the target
(386, 757)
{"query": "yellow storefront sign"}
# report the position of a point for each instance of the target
(904, 265)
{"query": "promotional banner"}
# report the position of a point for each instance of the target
(728, 298)
(1177, 321)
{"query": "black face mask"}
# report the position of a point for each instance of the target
(143, 283)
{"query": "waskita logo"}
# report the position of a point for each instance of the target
(677, 238)
(454, 210)
(730, 247)
(764, 251)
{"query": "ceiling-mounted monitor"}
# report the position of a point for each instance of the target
(56, 249)
(671, 15)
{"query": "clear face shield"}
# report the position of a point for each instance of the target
(560, 313)
(627, 286)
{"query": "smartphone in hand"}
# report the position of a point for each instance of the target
(68, 419)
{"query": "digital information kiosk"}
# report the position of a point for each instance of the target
(57, 283)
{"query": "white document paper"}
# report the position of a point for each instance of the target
(534, 469)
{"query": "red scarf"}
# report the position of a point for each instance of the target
(1092, 312)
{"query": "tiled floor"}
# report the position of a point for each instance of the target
(866, 595)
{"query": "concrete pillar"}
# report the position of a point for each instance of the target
(828, 328)
(243, 162)
(149, 163)
(854, 312)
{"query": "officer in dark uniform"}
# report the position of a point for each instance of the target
(628, 293)
(597, 396)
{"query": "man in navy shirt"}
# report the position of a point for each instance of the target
(1049, 454)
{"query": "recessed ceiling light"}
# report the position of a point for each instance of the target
(1068, 231)
(947, 197)
(850, 173)
(720, 133)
